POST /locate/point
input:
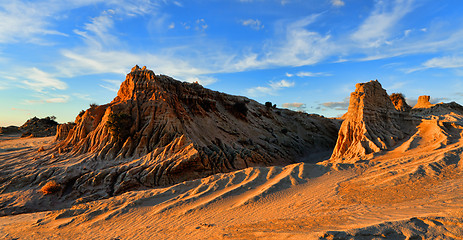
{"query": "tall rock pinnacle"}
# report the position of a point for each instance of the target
(371, 124)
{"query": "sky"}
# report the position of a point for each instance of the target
(59, 56)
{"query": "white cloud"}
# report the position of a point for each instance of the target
(111, 85)
(340, 106)
(281, 84)
(58, 99)
(295, 106)
(337, 3)
(444, 62)
(172, 26)
(299, 47)
(25, 21)
(439, 62)
(271, 89)
(312, 74)
(378, 27)
(289, 75)
(252, 23)
(201, 25)
(203, 80)
(98, 32)
(31, 21)
(39, 80)
(45, 98)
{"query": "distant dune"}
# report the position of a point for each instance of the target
(173, 160)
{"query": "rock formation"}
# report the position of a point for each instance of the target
(372, 124)
(160, 131)
(39, 127)
(10, 130)
(63, 130)
(399, 102)
(423, 102)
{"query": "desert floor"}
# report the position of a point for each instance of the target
(408, 192)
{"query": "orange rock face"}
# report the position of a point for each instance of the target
(371, 124)
(159, 131)
(423, 102)
(399, 102)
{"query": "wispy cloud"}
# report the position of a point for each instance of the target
(310, 74)
(271, 89)
(31, 21)
(439, 62)
(46, 98)
(337, 3)
(295, 106)
(98, 31)
(252, 23)
(111, 85)
(299, 47)
(39, 80)
(340, 106)
(25, 21)
(377, 28)
(58, 99)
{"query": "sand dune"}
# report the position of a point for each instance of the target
(299, 201)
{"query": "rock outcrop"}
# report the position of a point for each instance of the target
(160, 131)
(63, 130)
(39, 127)
(423, 102)
(10, 130)
(372, 124)
(399, 102)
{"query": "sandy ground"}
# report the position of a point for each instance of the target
(414, 191)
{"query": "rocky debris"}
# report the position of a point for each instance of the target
(423, 102)
(39, 127)
(160, 131)
(10, 130)
(399, 102)
(371, 124)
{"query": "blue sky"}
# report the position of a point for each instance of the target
(58, 56)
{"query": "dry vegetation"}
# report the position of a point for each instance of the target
(50, 188)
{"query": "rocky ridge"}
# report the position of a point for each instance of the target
(159, 131)
(377, 122)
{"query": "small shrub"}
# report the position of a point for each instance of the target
(93, 105)
(81, 113)
(284, 131)
(119, 125)
(268, 104)
(50, 188)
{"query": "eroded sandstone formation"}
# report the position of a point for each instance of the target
(423, 102)
(160, 131)
(372, 124)
(399, 102)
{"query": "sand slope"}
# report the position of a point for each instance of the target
(395, 191)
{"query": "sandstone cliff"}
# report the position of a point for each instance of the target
(372, 124)
(377, 122)
(160, 131)
(423, 102)
(399, 102)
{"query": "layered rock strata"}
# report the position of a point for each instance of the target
(423, 102)
(160, 131)
(372, 124)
